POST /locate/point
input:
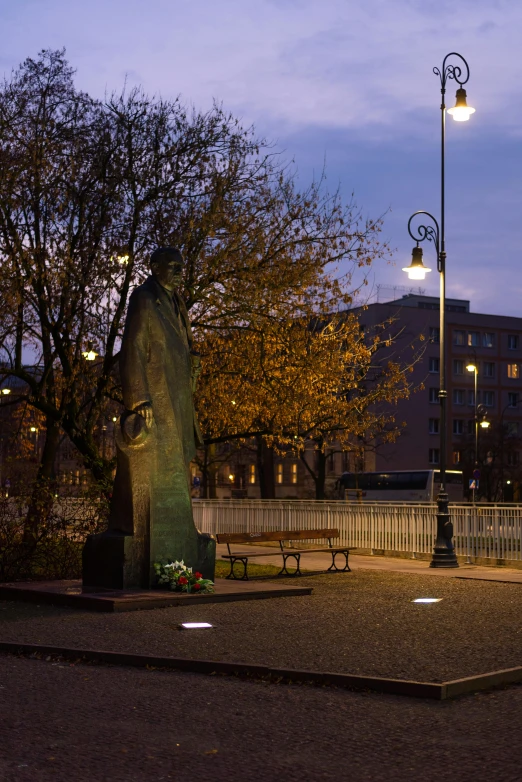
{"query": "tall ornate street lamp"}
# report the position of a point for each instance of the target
(444, 551)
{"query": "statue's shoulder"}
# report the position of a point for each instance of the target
(145, 295)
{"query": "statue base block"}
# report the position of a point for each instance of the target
(113, 560)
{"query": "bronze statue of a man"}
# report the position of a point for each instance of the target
(156, 438)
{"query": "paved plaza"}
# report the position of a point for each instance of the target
(63, 721)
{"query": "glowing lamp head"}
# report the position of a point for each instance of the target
(6, 391)
(484, 424)
(90, 354)
(471, 368)
(416, 270)
(461, 112)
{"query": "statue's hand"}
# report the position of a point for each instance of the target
(145, 410)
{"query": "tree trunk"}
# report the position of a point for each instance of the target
(265, 468)
(44, 488)
(320, 476)
(209, 472)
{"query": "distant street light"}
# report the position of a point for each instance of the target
(6, 391)
(444, 551)
(90, 354)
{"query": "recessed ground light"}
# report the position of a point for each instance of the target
(194, 625)
(427, 600)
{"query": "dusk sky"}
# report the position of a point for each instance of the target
(345, 82)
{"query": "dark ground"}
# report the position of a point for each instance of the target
(362, 623)
(87, 723)
(63, 723)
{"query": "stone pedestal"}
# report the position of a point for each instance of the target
(151, 515)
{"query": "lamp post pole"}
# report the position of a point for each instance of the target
(444, 551)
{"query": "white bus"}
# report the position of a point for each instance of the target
(400, 486)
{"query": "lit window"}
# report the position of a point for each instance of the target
(433, 456)
(473, 339)
(513, 371)
(434, 365)
(279, 473)
(294, 472)
(457, 457)
(252, 476)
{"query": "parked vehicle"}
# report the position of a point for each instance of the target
(400, 486)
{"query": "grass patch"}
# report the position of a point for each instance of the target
(253, 570)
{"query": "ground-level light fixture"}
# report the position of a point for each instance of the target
(194, 625)
(34, 429)
(231, 477)
(427, 600)
(461, 112)
(114, 418)
(416, 270)
(90, 354)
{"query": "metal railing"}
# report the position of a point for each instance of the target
(492, 531)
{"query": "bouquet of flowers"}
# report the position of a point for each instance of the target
(180, 578)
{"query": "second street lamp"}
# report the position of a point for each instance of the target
(444, 551)
(480, 416)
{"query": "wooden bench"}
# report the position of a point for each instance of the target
(287, 553)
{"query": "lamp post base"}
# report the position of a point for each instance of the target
(443, 558)
(443, 551)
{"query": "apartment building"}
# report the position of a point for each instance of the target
(493, 343)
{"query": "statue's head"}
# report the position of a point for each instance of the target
(166, 265)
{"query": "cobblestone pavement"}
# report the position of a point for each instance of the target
(85, 723)
(361, 623)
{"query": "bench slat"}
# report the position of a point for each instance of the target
(276, 535)
(278, 553)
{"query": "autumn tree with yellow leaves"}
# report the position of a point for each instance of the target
(89, 188)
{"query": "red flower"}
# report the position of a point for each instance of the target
(196, 587)
(197, 575)
(182, 580)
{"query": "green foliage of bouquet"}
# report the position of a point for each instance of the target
(179, 578)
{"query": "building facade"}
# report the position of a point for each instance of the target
(492, 343)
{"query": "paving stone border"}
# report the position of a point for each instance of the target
(416, 689)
